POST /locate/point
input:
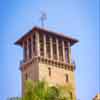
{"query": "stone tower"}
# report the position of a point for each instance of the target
(47, 55)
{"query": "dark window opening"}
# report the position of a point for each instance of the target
(29, 47)
(25, 51)
(54, 49)
(66, 54)
(60, 50)
(49, 71)
(48, 46)
(25, 54)
(67, 78)
(26, 76)
(41, 44)
(34, 46)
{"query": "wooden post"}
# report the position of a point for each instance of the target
(24, 52)
(51, 48)
(64, 55)
(37, 44)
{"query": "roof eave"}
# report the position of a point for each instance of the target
(72, 40)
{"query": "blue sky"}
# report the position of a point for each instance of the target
(77, 18)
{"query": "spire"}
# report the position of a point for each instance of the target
(43, 17)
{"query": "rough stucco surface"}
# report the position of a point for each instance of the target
(57, 75)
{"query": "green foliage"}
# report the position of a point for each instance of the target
(29, 91)
(52, 93)
(40, 90)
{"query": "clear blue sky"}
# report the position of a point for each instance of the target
(77, 18)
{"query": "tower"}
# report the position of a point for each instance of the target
(47, 55)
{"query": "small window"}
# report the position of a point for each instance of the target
(26, 76)
(49, 71)
(67, 78)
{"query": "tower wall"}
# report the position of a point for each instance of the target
(47, 55)
(31, 72)
(58, 76)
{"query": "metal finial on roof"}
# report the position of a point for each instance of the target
(43, 17)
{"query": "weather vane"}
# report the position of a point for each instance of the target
(43, 17)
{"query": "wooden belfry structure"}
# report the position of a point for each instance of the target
(47, 55)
